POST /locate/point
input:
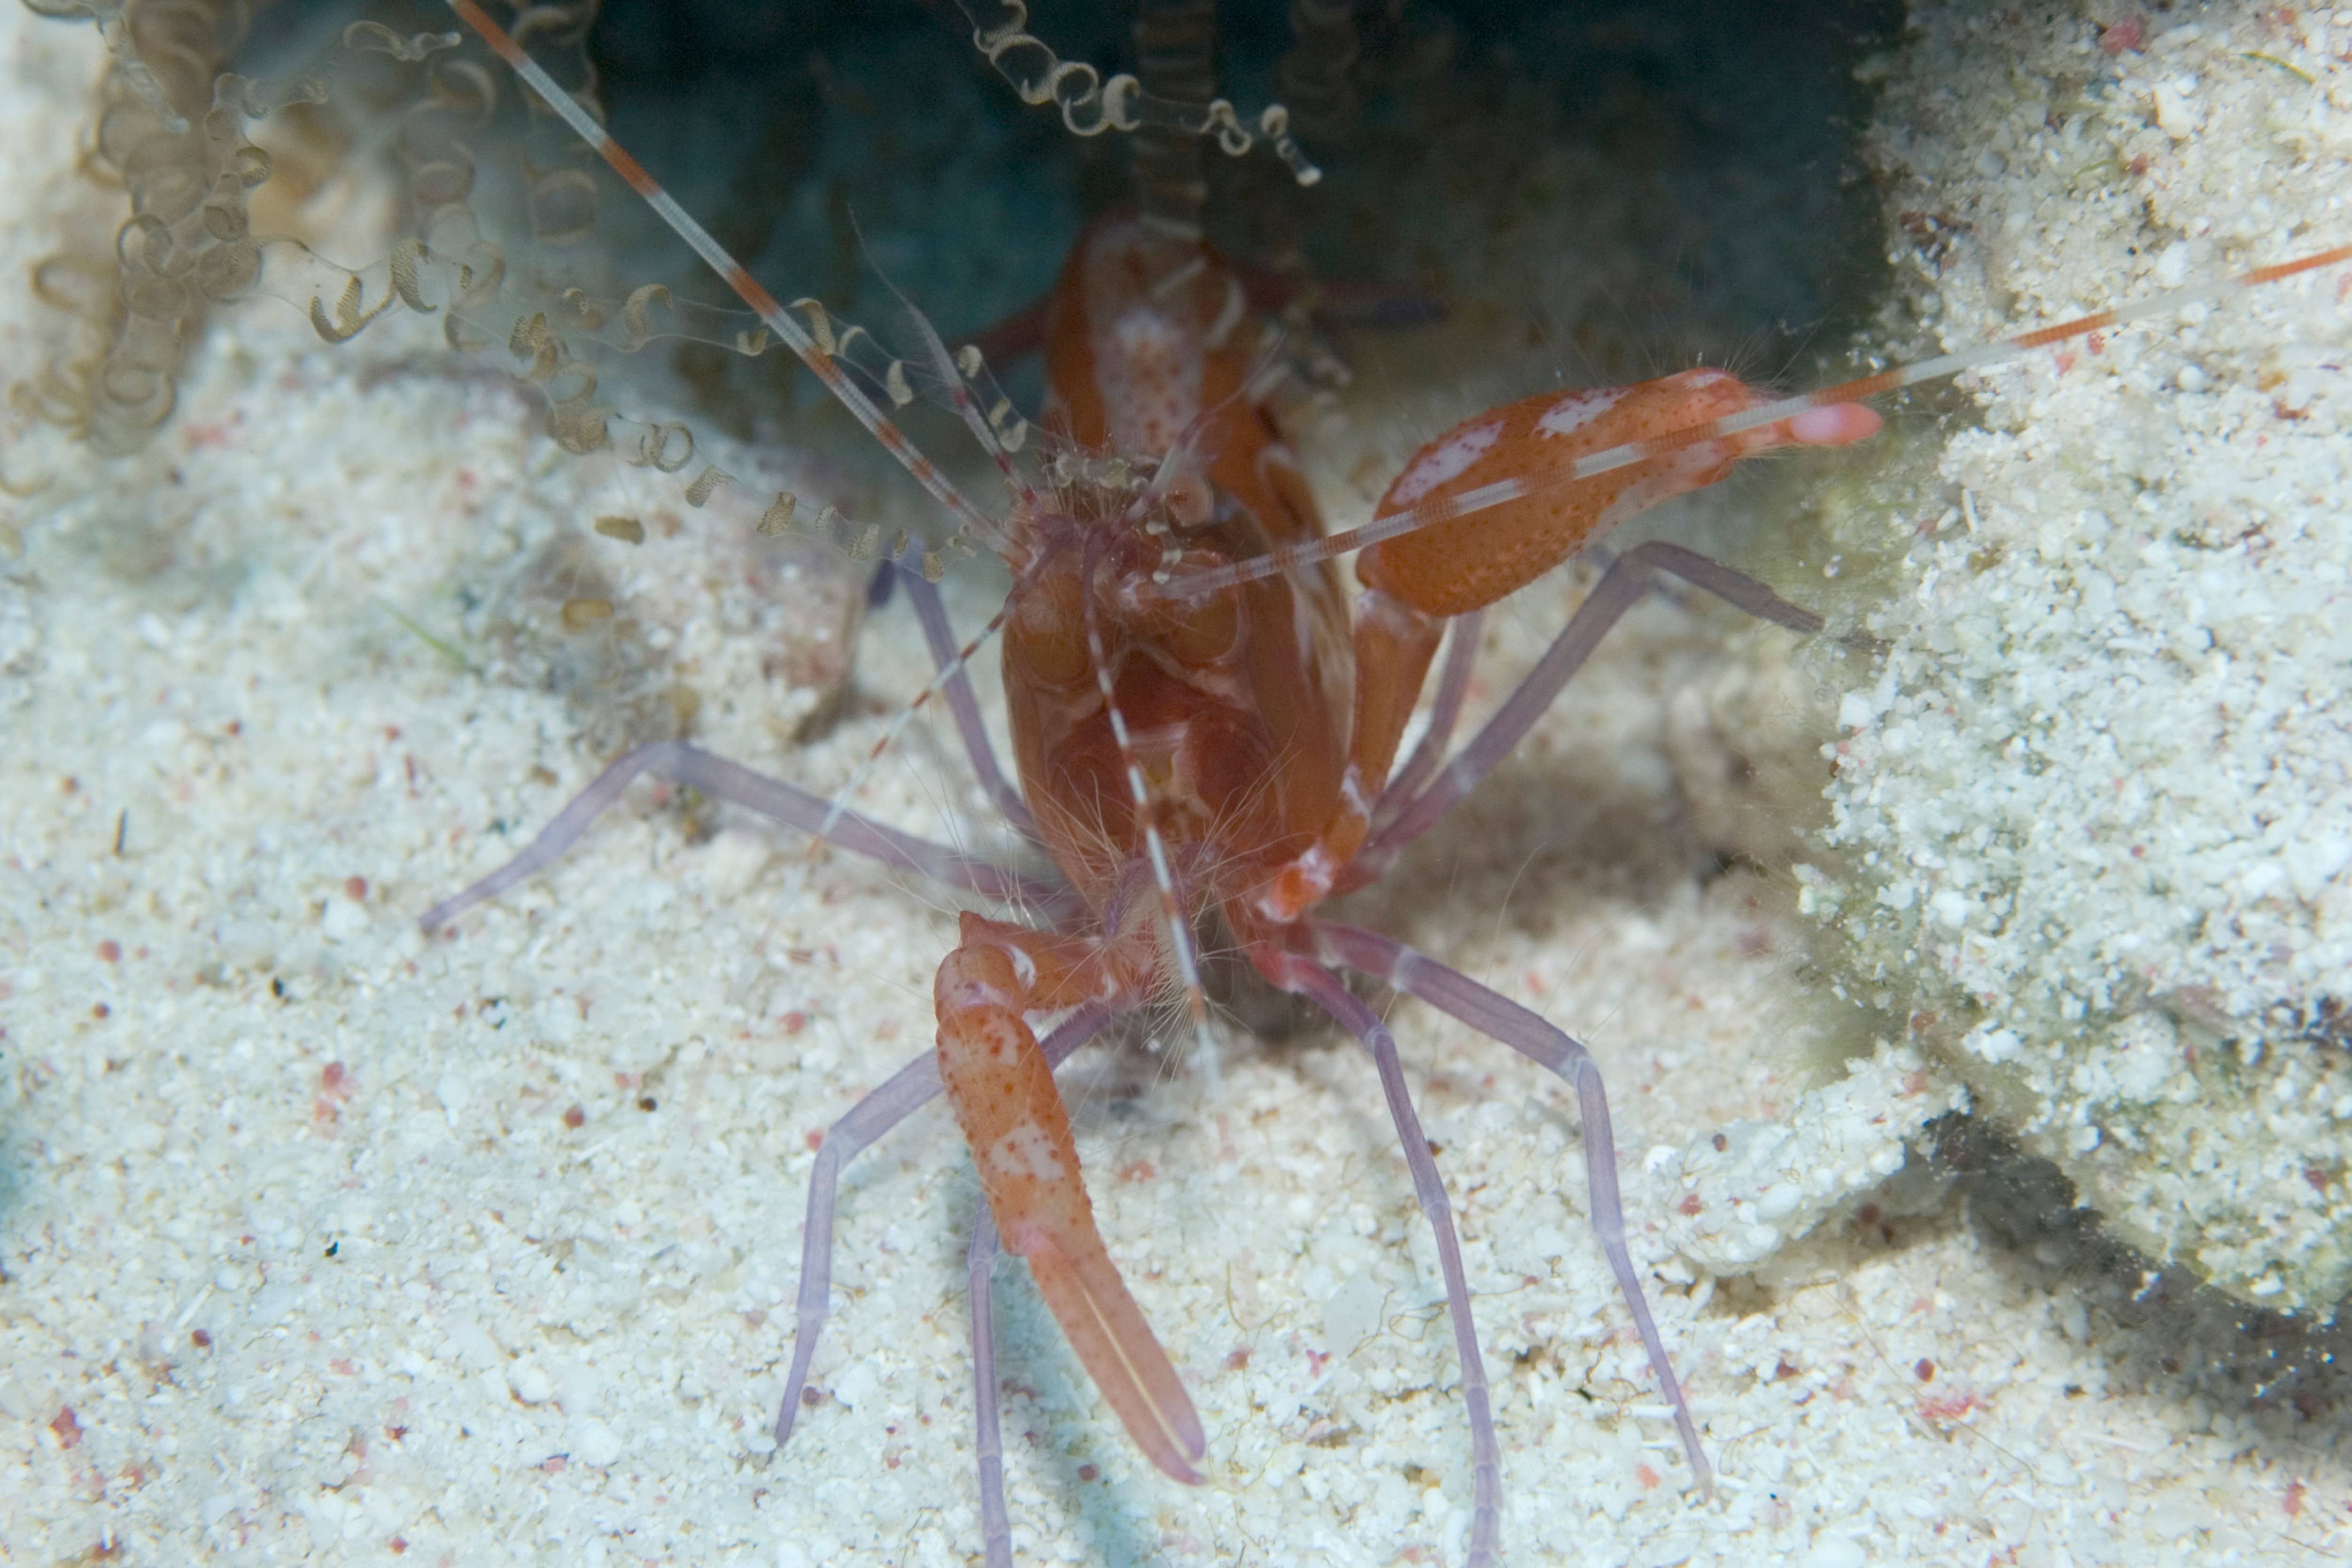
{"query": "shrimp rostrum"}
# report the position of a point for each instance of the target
(1205, 722)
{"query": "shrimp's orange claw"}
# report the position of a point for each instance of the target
(1002, 1091)
(1081, 1287)
(1470, 561)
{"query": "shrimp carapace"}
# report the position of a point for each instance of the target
(1234, 706)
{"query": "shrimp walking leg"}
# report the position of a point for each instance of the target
(1620, 588)
(1311, 979)
(932, 612)
(988, 1434)
(1444, 713)
(739, 785)
(1394, 642)
(908, 1090)
(1452, 992)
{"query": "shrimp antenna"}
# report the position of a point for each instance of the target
(1000, 432)
(944, 368)
(969, 520)
(1445, 509)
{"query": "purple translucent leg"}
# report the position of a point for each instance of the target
(933, 613)
(1619, 589)
(1311, 979)
(739, 785)
(1444, 712)
(1449, 990)
(979, 1265)
(908, 1090)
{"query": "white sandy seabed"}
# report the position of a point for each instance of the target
(307, 1256)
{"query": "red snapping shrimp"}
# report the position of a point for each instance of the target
(1199, 726)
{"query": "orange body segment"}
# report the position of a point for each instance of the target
(1143, 335)
(1236, 706)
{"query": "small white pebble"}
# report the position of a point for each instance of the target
(343, 920)
(2315, 864)
(2056, 1469)
(1994, 1044)
(2178, 116)
(2191, 379)
(1835, 1552)
(530, 1382)
(594, 1443)
(1352, 1313)
(557, 1019)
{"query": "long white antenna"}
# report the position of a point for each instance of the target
(973, 521)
